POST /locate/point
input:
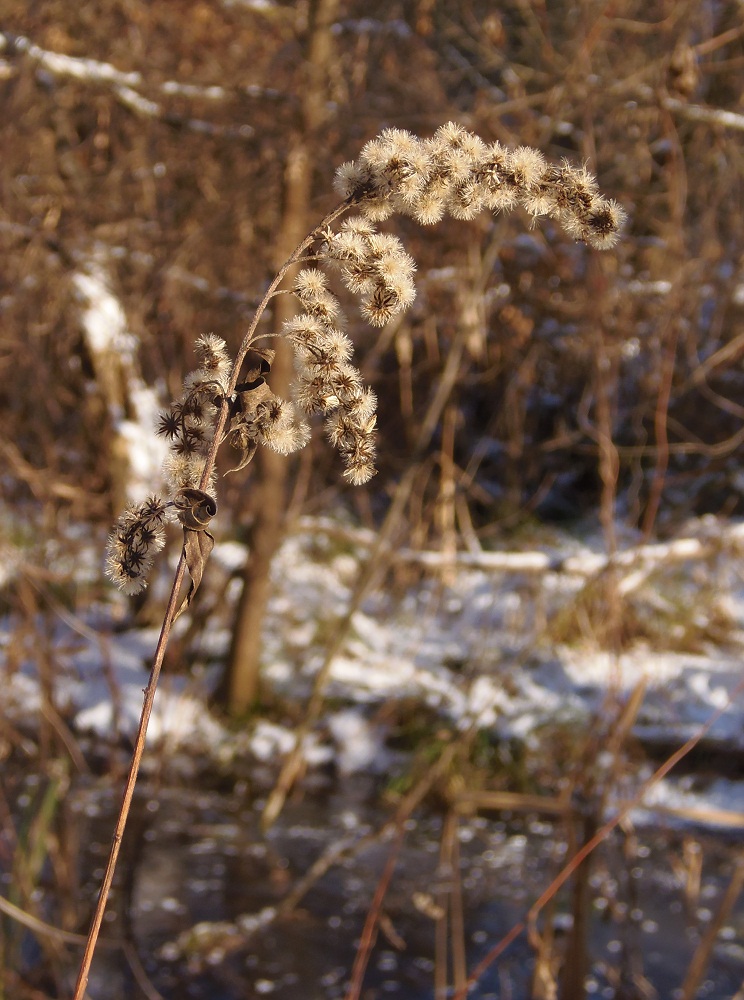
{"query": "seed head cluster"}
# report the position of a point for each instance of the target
(188, 425)
(327, 382)
(373, 265)
(456, 172)
(138, 535)
(259, 417)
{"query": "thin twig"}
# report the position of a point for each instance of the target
(396, 826)
(701, 958)
(371, 924)
(139, 747)
(43, 929)
(602, 834)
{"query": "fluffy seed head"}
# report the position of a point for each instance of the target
(604, 221)
(138, 535)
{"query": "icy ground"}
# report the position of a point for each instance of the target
(477, 649)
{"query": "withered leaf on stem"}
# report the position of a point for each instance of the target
(240, 434)
(195, 510)
(257, 362)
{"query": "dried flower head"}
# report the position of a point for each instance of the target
(454, 171)
(138, 535)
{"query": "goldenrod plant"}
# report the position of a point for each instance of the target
(454, 172)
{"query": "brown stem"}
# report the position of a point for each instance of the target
(139, 745)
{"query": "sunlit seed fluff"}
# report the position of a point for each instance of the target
(128, 577)
(541, 201)
(278, 428)
(303, 329)
(384, 243)
(451, 135)
(339, 429)
(378, 208)
(362, 408)
(310, 287)
(439, 180)
(395, 266)
(347, 247)
(336, 343)
(352, 180)
(357, 182)
(526, 167)
(402, 159)
(138, 535)
(358, 226)
(327, 308)
(391, 143)
(398, 284)
(359, 276)
(604, 221)
(467, 199)
(320, 363)
(492, 166)
(576, 188)
(310, 283)
(398, 161)
(459, 165)
(360, 464)
(185, 470)
(359, 472)
(314, 394)
(384, 303)
(429, 208)
(345, 381)
(373, 156)
(215, 361)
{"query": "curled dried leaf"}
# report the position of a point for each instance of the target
(258, 362)
(194, 508)
(197, 546)
(241, 441)
(247, 397)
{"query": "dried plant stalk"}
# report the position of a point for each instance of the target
(452, 172)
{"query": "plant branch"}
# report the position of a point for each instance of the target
(170, 613)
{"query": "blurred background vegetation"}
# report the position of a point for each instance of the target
(178, 151)
(582, 375)
(174, 152)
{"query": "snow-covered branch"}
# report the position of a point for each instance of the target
(714, 116)
(127, 86)
(583, 564)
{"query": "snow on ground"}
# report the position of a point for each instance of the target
(474, 650)
(114, 350)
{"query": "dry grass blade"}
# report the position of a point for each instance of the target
(48, 930)
(702, 955)
(397, 828)
(602, 833)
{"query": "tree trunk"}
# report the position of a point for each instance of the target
(240, 686)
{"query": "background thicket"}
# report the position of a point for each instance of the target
(172, 152)
(587, 383)
(568, 355)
